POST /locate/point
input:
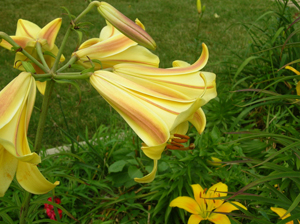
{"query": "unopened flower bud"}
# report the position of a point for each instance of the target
(126, 26)
(199, 6)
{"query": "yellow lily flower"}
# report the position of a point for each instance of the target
(158, 103)
(204, 207)
(27, 35)
(113, 47)
(281, 212)
(16, 104)
(126, 26)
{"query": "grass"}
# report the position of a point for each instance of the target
(172, 24)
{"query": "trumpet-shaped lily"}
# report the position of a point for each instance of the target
(27, 36)
(126, 26)
(204, 207)
(158, 103)
(282, 214)
(16, 104)
(113, 47)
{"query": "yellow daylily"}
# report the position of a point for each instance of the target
(126, 26)
(282, 214)
(16, 104)
(204, 207)
(158, 103)
(297, 73)
(113, 47)
(27, 35)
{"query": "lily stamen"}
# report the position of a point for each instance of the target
(180, 140)
(177, 144)
(181, 136)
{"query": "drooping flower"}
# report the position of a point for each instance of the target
(282, 214)
(297, 73)
(16, 104)
(204, 207)
(50, 209)
(126, 26)
(113, 47)
(27, 35)
(158, 103)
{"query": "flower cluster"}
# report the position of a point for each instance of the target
(157, 103)
(50, 209)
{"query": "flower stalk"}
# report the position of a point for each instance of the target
(43, 115)
(25, 208)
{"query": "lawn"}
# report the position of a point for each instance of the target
(247, 158)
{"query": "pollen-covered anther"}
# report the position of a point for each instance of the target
(177, 144)
(181, 136)
(178, 140)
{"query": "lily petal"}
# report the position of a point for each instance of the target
(281, 212)
(195, 219)
(8, 167)
(198, 120)
(217, 190)
(114, 50)
(50, 31)
(108, 31)
(229, 206)
(148, 125)
(154, 152)
(32, 180)
(187, 203)
(27, 29)
(198, 195)
(219, 219)
(150, 177)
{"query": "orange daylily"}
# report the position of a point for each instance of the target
(282, 214)
(204, 207)
(158, 103)
(16, 104)
(27, 35)
(113, 47)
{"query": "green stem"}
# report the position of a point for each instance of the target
(43, 115)
(62, 46)
(25, 208)
(41, 55)
(75, 75)
(67, 65)
(73, 23)
(38, 77)
(90, 6)
(22, 50)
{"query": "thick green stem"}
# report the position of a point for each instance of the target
(25, 208)
(75, 75)
(22, 50)
(41, 55)
(43, 115)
